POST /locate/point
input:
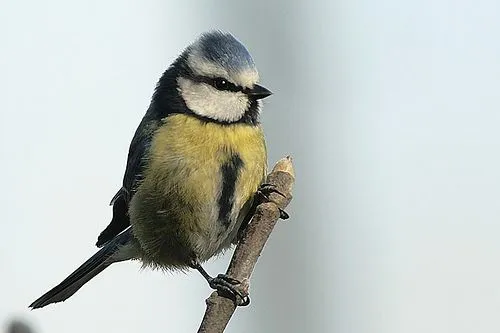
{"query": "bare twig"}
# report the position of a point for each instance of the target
(220, 309)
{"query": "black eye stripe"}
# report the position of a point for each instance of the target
(218, 83)
(223, 84)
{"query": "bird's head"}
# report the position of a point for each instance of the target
(217, 79)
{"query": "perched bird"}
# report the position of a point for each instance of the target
(194, 165)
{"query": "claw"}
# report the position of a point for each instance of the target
(283, 215)
(225, 285)
(265, 189)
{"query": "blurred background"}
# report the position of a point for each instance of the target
(389, 108)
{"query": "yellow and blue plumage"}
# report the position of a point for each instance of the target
(194, 165)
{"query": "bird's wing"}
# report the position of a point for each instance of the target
(137, 155)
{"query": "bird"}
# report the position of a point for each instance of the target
(195, 166)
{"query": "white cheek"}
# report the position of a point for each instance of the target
(206, 101)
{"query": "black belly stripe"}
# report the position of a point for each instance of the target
(229, 172)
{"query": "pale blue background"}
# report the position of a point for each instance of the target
(390, 108)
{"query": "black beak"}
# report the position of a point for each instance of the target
(258, 92)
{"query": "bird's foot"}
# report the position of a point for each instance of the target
(225, 285)
(265, 190)
(228, 287)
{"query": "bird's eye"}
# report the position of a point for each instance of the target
(223, 84)
(220, 83)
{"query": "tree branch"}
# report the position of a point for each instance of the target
(220, 309)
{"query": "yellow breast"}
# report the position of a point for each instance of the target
(187, 145)
(178, 202)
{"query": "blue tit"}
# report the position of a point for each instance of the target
(194, 165)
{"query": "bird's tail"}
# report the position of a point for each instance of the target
(83, 274)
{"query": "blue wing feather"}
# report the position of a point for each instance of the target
(137, 157)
